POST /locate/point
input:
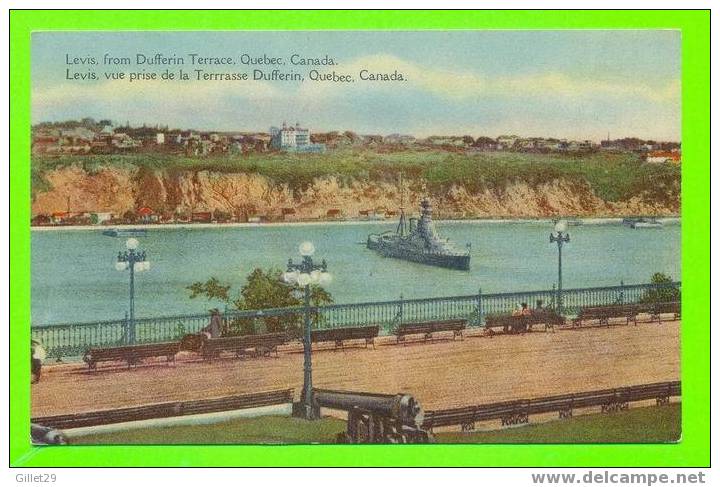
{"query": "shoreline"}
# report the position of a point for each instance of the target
(176, 226)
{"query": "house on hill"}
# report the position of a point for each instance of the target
(201, 217)
(334, 213)
(657, 157)
(59, 217)
(147, 215)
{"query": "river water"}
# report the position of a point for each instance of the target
(74, 277)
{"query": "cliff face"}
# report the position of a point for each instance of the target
(120, 190)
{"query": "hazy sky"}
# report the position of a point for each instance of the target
(571, 84)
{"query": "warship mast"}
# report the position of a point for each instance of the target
(401, 228)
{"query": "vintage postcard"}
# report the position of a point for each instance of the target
(300, 237)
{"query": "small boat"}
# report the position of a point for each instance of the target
(630, 221)
(122, 232)
(646, 223)
(571, 222)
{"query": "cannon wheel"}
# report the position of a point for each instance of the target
(362, 432)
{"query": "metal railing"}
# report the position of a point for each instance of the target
(518, 411)
(72, 339)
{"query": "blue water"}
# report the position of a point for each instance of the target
(74, 279)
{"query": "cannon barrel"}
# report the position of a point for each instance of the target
(400, 407)
(42, 435)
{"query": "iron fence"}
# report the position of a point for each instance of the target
(71, 340)
(518, 411)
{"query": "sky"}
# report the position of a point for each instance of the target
(565, 84)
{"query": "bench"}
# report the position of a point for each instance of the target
(427, 328)
(547, 317)
(254, 345)
(509, 323)
(132, 354)
(340, 335)
(603, 314)
(657, 309)
(192, 342)
(523, 323)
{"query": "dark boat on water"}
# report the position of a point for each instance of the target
(642, 222)
(125, 232)
(419, 243)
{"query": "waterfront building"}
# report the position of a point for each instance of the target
(99, 217)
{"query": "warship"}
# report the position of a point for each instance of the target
(419, 242)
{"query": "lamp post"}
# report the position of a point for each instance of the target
(134, 260)
(305, 273)
(560, 237)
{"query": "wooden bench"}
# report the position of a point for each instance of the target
(253, 345)
(603, 314)
(509, 323)
(340, 335)
(132, 354)
(427, 328)
(655, 310)
(523, 323)
(547, 317)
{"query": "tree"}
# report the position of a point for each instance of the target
(263, 289)
(483, 141)
(663, 292)
(211, 289)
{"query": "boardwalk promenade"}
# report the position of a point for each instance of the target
(440, 375)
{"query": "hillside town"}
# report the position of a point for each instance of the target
(76, 140)
(88, 136)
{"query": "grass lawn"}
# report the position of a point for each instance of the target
(264, 429)
(641, 425)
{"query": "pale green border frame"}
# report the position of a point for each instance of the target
(693, 450)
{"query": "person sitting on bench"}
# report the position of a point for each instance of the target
(523, 310)
(214, 329)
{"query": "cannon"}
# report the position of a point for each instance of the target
(42, 435)
(376, 418)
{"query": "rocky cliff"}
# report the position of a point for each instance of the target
(119, 190)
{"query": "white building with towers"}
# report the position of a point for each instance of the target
(293, 139)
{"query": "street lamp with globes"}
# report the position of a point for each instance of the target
(560, 237)
(134, 260)
(303, 274)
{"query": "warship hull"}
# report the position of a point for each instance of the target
(420, 243)
(449, 261)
